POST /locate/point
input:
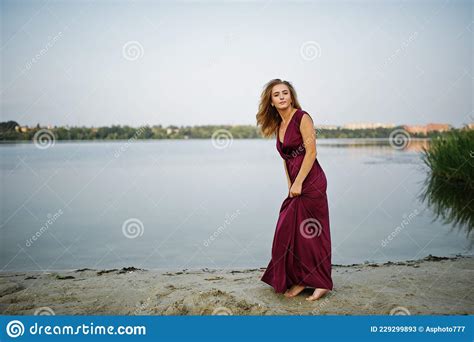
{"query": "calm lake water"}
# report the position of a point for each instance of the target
(176, 204)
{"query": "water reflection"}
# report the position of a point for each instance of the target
(451, 202)
(179, 200)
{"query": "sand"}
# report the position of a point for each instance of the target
(429, 286)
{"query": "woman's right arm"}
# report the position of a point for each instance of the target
(287, 175)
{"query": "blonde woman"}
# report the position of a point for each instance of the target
(301, 250)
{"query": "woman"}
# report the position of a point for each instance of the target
(301, 250)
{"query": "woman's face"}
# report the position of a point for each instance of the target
(281, 96)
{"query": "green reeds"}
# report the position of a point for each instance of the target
(449, 187)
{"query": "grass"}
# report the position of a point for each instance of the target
(450, 183)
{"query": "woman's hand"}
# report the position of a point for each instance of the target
(295, 189)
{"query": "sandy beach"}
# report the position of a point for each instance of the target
(429, 286)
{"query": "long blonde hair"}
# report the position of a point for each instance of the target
(268, 117)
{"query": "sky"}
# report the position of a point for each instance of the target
(102, 63)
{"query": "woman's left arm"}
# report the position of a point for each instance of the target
(309, 142)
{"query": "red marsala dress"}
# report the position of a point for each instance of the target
(301, 250)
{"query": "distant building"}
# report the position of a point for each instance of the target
(415, 129)
(438, 127)
(171, 130)
(367, 125)
(431, 127)
(327, 127)
(22, 129)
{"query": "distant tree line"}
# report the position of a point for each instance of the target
(11, 131)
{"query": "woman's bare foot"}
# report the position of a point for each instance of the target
(294, 290)
(318, 293)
